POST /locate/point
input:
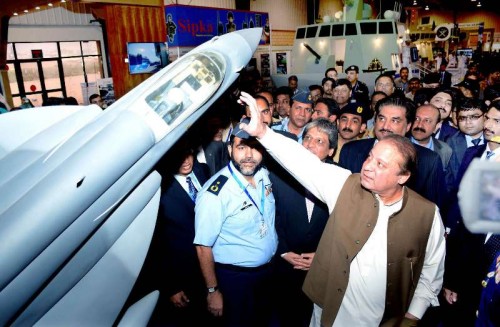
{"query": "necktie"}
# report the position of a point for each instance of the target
(476, 141)
(192, 190)
(489, 154)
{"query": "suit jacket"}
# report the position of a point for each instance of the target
(176, 223)
(443, 150)
(446, 80)
(458, 144)
(466, 261)
(428, 180)
(446, 131)
(216, 156)
(295, 232)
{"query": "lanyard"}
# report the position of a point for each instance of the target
(262, 199)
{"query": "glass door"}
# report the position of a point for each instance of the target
(38, 80)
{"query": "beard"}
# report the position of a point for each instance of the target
(247, 170)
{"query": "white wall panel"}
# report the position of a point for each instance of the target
(78, 14)
(283, 14)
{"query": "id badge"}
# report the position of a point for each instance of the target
(263, 229)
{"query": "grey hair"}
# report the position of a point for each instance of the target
(327, 127)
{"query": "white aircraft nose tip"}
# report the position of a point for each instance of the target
(252, 36)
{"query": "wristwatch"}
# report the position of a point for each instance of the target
(212, 289)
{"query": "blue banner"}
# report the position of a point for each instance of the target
(192, 26)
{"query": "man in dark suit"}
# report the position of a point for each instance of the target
(470, 123)
(445, 101)
(426, 120)
(182, 290)
(395, 115)
(300, 220)
(469, 255)
(444, 77)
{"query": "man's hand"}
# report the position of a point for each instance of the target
(215, 304)
(292, 258)
(180, 300)
(450, 296)
(307, 259)
(255, 127)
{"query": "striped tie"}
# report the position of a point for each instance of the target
(192, 190)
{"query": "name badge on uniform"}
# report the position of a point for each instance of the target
(263, 229)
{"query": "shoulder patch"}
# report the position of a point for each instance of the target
(217, 184)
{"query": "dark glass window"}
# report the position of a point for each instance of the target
(338, 30)
(325, 30)
(385, 28)
(311, 31)
(301, 33)
(350, 29)
(368, 28)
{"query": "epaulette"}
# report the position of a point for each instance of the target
(217, 184)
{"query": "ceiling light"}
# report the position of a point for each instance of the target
(26, 11)
(63, 1)
(50, 4)
(15, 14)
(426, 7)
(479, 4)
(472, 0)
(37, 8)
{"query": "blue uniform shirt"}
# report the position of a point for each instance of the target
(283, 126)
(228, 221)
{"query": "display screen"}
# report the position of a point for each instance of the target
(146, 58)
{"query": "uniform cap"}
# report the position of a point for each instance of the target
(352, 67)
(303, 97)
(357, 108)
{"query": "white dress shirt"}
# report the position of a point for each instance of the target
(182, 180)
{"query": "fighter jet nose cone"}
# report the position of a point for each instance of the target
(252, 36)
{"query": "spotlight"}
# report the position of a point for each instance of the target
(426, 7)
(479, 4)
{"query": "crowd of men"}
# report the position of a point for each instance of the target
(325, 205)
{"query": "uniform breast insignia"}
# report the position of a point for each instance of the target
(217, 184)
(245, 205)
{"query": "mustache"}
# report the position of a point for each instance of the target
(247, 161)
(419, 129)
(383, 130)
(347, 129)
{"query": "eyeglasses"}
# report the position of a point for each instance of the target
(467, 118)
